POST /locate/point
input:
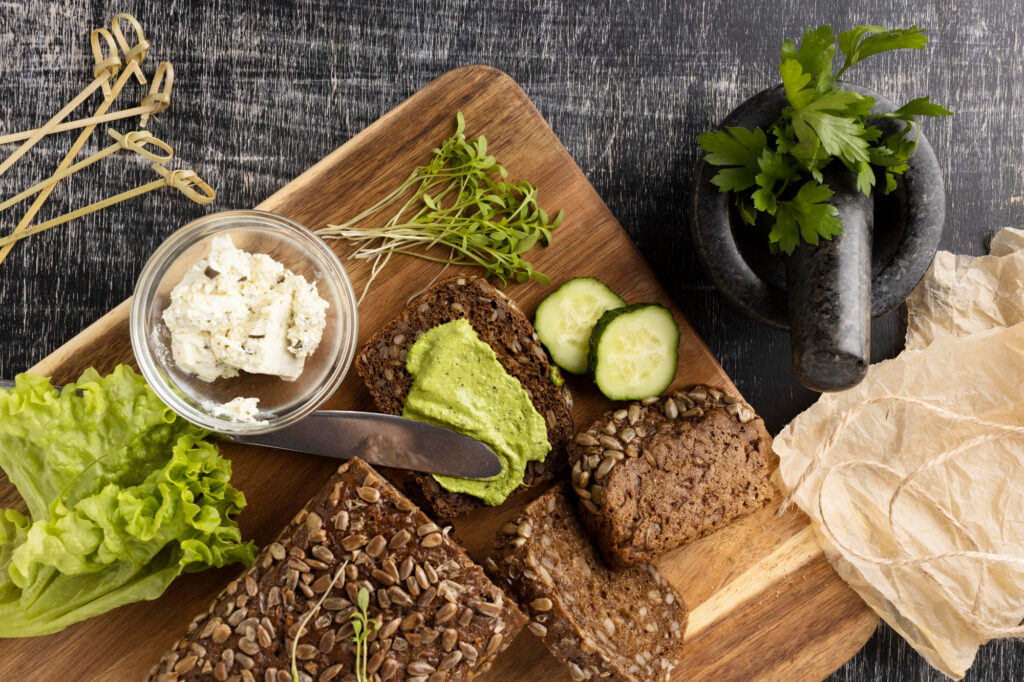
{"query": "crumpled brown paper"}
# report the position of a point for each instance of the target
(965, 294)
(914, 478)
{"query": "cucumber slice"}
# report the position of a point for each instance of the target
(565, 318)
(634, 351)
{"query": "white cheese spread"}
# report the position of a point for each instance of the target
(238, 311)
(238, 410)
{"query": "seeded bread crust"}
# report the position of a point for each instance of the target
(499, 323)
(664, 472)
(437, 610)
(619, 626)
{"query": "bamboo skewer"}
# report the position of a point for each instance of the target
(134, 54)
(158, 99)
(185, 181)
(141, 110)
(136, 141)
(155, 101)
(40, 133)
(132, 67)
(111, 63)
(107, 65)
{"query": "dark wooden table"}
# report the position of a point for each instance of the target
(264, 90)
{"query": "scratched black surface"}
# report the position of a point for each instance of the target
(264, 90)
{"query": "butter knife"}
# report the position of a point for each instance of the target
(380, 439)
(385, 440)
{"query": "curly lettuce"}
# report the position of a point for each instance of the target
(123, 496)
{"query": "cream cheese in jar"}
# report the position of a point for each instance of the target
(238, 311)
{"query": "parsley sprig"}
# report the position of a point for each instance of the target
(778, 173)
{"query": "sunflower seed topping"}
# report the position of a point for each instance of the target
(606, 465)
(383, 577)
(220, 634)
(541, 604)
(399, 539)
(376, 546)
(370, 495)
(493, 644)
(445, 613)
(489, 609)
(423, 605)
(427, 529)
(412, 622)
(634, 414)
(432, 540)
(470, 653)
(354, 541)
(671, 411)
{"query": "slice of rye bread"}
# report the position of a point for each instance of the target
(439, 615)
(498, 322)
(620, 625)
(664, 472)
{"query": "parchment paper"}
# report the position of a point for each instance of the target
(914, 480)
(965, 294)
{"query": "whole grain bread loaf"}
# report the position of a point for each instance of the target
(498, 322)
(617, 625)
(664, 472)
(439, 615)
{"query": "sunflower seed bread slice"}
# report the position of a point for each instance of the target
(499, 323)
(664, 472)
(439, 615)
(617, 625)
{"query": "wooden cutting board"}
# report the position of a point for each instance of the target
(765, 604)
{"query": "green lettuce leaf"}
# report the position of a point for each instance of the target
(123, 497)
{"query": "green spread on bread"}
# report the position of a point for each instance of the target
(458, 383)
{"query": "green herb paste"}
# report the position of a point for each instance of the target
(458, 383)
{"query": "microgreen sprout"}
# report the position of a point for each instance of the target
(362, 627)
(461, 204)
(309, 616)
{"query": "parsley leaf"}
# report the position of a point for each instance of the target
(835, 119)
(736, 147)
(863, 41)
(777, 171)
(807, 215)
(795, 80)
(779, 174)
(922, 106)
(815, 56)
(865, 178)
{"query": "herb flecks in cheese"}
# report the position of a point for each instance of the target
(236, 310)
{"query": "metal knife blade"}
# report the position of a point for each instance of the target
(385, 440)
(380, 439)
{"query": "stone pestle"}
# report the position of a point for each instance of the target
(829, 294)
